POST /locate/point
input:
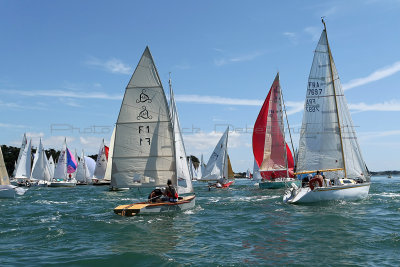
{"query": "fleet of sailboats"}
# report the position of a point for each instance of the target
(147, 150)
(328, 141)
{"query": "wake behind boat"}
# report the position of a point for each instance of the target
(155, 152)
(328, 142)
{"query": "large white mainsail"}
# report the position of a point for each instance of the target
(4, 179)
(328, 136)
(24, 163)
(101, 162)
(144, 153)
(60, 171)
(41, 169)
(107, 175)
(217, 165)
(182, 170)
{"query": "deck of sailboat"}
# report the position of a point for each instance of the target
(146, 207)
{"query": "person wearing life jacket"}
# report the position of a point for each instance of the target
(170, 192)
(155, 196)
(317, 180)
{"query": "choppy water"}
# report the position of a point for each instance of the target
(239, 226)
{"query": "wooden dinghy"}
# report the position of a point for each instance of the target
(183, 203)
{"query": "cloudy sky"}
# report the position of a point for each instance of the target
(64, 67)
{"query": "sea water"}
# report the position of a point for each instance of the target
(238, 226)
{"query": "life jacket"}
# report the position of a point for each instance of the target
(171, 192)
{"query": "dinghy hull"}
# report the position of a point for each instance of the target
(345, 192)
(62, 184)
(154, 208)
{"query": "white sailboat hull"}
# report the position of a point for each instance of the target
(343, 192)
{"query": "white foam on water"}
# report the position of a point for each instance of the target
(49, 202)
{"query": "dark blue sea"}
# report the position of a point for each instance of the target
(239, 226)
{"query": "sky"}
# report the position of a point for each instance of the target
(64, 66)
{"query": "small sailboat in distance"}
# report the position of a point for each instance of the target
(219, 168)
(148, 146)
(328, 143)
(271, 152)
(66, 165)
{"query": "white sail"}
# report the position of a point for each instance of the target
(217, 165)
(144, 153)
(41, 169)
(256, 172)
(24, 163)
(107, 175)
(35, 158)
(191, 167)
(60, 171)
(21, 150)
(101, 162)
(82, 171)
(91, 164)
(51, 166)
(320, 145)
(202, 167)
(4, 179)
(182, 169)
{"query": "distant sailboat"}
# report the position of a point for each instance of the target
(147, 146)
(107, 175)
(219, 168)
(328, 141)
(82, 172)
(51, 167)
(23, 170)
(256, 173)
(270, 149)
(66, 165)
(41, 169)
(6, 189)
(101, 165)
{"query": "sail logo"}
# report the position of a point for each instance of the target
(143, 97)
(144, 114)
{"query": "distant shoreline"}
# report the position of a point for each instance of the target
(385, 173)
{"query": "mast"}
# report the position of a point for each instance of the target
(172, 114)
(334, 92)
(287, 122)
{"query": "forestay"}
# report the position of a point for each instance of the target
(320, 138)
(144, 145)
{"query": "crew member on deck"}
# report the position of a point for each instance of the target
(170, 192)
